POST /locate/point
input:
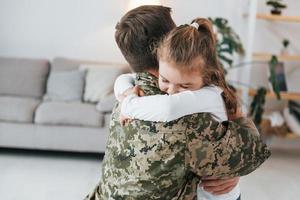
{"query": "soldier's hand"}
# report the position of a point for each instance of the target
(124, 120)
(219, 186)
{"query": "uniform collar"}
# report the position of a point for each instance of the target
(146, 79)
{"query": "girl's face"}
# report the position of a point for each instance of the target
(172, 80)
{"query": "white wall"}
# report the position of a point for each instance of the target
(81, 28)
(85, 28)
(49, 28)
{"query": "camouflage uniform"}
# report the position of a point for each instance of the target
(150, 160)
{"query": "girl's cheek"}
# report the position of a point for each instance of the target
(182, 89)
(163, 86)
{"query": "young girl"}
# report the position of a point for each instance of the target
(189, 72)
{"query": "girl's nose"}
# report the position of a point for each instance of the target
(171, 89)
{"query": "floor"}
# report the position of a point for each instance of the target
(35, 175)
(32, 175)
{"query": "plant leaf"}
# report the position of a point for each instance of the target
(257, 106)
(272, 66)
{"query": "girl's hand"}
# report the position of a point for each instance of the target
(219, 186)
(135, 90)
(124, 120)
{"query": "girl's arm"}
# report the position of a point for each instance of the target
(165, 108)
(123, 83)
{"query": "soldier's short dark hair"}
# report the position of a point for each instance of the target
(138, 33)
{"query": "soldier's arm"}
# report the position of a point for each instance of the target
(219, 150)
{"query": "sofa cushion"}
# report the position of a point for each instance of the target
(17, 109)
(68, 113)
(65, 86)
(107, 104)
(99, 81)
(63, 64)
(23, 77)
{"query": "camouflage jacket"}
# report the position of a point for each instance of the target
(150, 160)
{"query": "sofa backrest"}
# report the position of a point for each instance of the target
(23, 77)
(63, 64)
(99, 77)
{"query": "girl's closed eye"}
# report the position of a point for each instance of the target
(185, 86)
(164, 80)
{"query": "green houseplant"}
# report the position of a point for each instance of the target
(285, 45)
(257, 105)
(228, 41)
(277, 6)
(228, 44)
(272, 66)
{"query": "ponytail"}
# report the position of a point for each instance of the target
(206, 28)
(216, 77)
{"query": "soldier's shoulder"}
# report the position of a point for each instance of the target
(197, 118)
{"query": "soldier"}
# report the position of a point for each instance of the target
(149, 160)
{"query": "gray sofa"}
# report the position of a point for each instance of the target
(28, 121)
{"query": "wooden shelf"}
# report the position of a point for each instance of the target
(278, 17)
(267, 57)
(272, 95)
(288, 136)
(292, 136)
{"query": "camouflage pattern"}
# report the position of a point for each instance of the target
(150, 160)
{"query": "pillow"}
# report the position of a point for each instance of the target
(107, 104)
(65, 86)
(99, 81)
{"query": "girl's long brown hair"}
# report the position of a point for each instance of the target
(192, 48)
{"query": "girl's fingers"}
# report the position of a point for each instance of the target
(218, 182)
(224, 191)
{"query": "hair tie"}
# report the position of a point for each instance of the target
(195, 25)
